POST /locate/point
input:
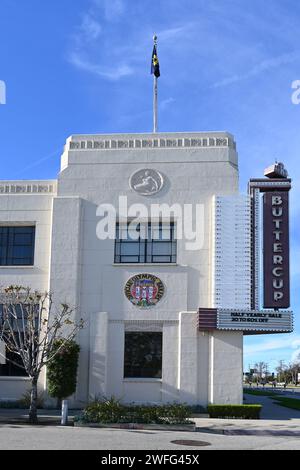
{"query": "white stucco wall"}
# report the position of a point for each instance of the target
(27, 208)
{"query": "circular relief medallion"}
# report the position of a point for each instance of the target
(146, 182)
(144, 290)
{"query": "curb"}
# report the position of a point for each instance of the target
(136, 426)
(249, 432)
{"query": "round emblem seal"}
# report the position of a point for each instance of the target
(144, 290)
(146, 182)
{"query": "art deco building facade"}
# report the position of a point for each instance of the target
(139, 297)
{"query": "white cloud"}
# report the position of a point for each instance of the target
(122, 70)
(295, 356)
(113, 9)
(90, 28)
(263, 66)
(85, 43)
(171, 33)
(283, 342)
(166, 103)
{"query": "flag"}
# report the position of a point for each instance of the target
(155, 63)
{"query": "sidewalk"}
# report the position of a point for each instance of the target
(276, 421)
(45, 417)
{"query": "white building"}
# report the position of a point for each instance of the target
(49, 241)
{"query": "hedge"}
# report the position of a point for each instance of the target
(113, 411)
(235, 411)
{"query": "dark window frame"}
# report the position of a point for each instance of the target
(10, 369)
(12, 245)
(139, 363)
(144, 251)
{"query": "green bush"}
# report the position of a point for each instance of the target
(113, 411)
(104, 411)
(235, 411)
(62, 370)
(176, 413)
(26, 400)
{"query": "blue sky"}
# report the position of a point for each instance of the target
(83, 67)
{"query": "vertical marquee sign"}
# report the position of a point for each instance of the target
(276, 265)
(276, 249)
(274, 254)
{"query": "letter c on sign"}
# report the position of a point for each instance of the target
(276, 272)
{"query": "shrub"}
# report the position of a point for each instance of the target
(176, 413)
(104, 411)
(234, 411)
(113, 411)
(62, 369)
(26, 400)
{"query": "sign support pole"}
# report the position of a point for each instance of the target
(155, 96)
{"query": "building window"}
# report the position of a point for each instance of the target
(13, 366)
(17, 246)
(146, 243)
(143, 355)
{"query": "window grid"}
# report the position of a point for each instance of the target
(13, 367)
(17, 246)
(149, 250)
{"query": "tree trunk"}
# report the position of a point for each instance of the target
(33, 419)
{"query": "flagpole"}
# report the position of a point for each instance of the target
(155, 95)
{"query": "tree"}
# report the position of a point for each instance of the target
(62, 373)
(29, 328)
(261, 370)
(292, 372)
(281, 369)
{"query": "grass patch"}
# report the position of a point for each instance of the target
(292, 403)
(260, 393)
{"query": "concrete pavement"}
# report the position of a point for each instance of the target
(279, 429)
(275, 420)
(18, 437)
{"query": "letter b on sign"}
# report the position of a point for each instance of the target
(276, 200)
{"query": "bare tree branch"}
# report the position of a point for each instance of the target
(29, 328)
